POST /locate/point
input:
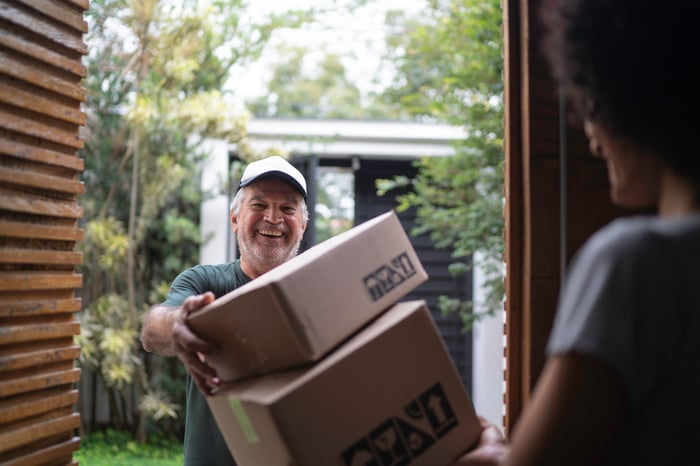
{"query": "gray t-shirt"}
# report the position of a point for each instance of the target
(204, 444)
(632, 299)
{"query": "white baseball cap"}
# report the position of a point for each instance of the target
(273, 167)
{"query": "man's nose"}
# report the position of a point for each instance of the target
(273, 215)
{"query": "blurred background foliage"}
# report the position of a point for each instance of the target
(157, 77)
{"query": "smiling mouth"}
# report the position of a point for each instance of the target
(271, 233)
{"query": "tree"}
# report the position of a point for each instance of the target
(304, 87)
(156, 70)
(449, 65)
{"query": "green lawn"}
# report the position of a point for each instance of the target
(114, 448)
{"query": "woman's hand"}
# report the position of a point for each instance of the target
(490, 450)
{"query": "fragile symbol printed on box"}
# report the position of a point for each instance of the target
(389, 276)
(397, 441)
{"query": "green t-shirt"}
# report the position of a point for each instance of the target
(204, 445)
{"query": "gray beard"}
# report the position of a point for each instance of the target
(265, 259)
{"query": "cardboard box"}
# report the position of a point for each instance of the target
(296, 313)
(388, 396)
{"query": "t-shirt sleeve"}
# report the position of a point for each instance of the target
(187, 283)
(600, 313)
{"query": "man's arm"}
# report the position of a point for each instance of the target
(157, 330)
(165, 332)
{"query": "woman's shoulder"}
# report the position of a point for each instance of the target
(636, 235)
(641, 243)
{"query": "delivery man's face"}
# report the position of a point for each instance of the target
(269, 225)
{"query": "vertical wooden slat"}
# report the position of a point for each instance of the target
(532, 204)
(41, 94)
(514, 231)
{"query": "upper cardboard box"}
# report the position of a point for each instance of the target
(299, 311)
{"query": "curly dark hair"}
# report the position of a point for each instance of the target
(630, 65)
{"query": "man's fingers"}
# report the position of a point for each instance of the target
(183, 336)
(191, 349)
(203, 384)
(194, 303)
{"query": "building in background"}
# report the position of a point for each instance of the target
(347, 157)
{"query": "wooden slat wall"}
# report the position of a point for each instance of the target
(41, 47)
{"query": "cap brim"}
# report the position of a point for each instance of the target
(276, 175)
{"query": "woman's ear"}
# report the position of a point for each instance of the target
(594, 143)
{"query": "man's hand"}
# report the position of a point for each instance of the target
(490, 450)
(191, 349)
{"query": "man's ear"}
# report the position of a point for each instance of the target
(234, 223)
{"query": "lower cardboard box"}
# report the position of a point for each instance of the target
(388, 396)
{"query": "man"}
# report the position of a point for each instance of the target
(269, 216)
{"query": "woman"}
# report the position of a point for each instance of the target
(622, 381)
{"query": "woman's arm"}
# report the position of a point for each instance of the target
(575, 410)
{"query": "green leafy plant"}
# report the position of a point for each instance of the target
(449, 64)
(156, 74)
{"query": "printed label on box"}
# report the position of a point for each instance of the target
(389, 276)
(397, 441)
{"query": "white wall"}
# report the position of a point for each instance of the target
(487, 356)
(215, 221)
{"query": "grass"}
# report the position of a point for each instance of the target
(115, 448)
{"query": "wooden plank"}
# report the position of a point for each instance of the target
(40, 231)
(33, 50)
(11, 121)
(37, 256)
(10, 334)
(47, 428)
(60, 453)
(34, 404)
(60, 13)
(28, 308)
(13, 94)
(38, 382)
(82, 4)
(60, 35)
(33, 280)
(38, 154)
(37, 295)
(29, 205)
(13, 362)
(513, 19)
(38, 75)
(42, 456)
(34, 179)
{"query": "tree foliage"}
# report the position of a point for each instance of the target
(156, 70)
(449, 69)
(303, 86)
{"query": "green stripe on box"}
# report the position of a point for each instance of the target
(243, 420)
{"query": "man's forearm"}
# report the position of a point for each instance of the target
(156, 333)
